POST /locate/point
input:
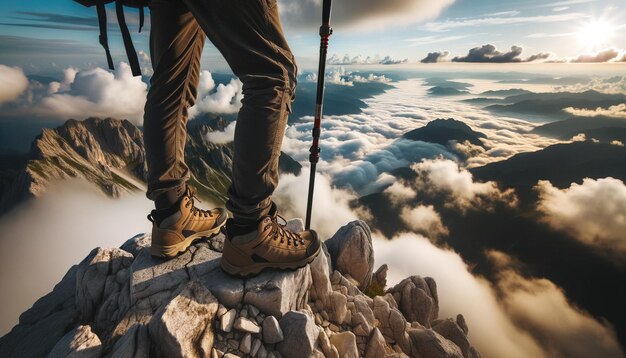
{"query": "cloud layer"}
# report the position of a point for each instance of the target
(14, 83)
(359, 15)
(511, 318)
(592, 212)
(617, 111)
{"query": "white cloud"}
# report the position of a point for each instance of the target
(612, 85)
(505, 319)
(398, 193)
(617, 143)
(222, 98)
(617, 111)
(96, 92)
(341, 76)
(447, 177)
(360, 60)
(223, 137)
(14, 83)
(593, 212)
(331, 208)
(501, 20)
(356, 15)
(425, 220)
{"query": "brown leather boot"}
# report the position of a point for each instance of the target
(270, 246)
(173, 232)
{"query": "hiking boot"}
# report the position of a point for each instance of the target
(271, 245)
(175, 229)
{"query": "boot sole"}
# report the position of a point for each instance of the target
(171, 251)
(245, 271)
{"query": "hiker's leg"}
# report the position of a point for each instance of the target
(249, 36)
(176, 42)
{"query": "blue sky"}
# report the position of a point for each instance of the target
(45, 36)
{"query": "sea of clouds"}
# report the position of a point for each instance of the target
(510, 316)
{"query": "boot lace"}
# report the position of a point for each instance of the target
(197, 212)
(278, 231)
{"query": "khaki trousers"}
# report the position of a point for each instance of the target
(249, 35)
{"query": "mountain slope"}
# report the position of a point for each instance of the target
(110, 154)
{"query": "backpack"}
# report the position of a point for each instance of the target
(102, 22)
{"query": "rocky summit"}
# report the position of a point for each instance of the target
(121, 302)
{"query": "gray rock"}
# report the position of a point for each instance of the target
(375, 345)
(227, 320)
(320, 274)
(276, 292)
(392, 323)
(300, 334)
(417, 299)
(256, 345)
(337, 307)
(428, 343)
(80, 342)
(345, 342)
(134, 344)
(183, 326)
(352, 253)
(272, 333)
(92, 283)
(137, 243)
(244, 324)
(449, 329)
(246, 344)
(295, 225)
(460, 320)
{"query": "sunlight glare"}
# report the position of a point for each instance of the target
(596, 34)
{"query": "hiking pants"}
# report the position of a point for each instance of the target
(249, 35)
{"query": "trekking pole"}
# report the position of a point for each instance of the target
(325, 32)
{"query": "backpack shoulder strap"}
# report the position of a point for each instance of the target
(128, 42)
(104, 40)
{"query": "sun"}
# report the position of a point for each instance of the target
(596, 34)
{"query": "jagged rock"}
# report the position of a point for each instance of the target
(46, 322)
(449, 329)
(352, 253)
(272, 333)
(256, 345)
(345, 342)
(320, 275)
(300, 334)
(376, 345)
(183, 326)
(80, 342)
(93, 283)
(392, 323)
(417, 299)
(337, 307)
(246, 344)
(460, 320)
(428, 343)
(227, 320)
(134, 344)
(276, 292)
(140, 306)
(244, 324)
